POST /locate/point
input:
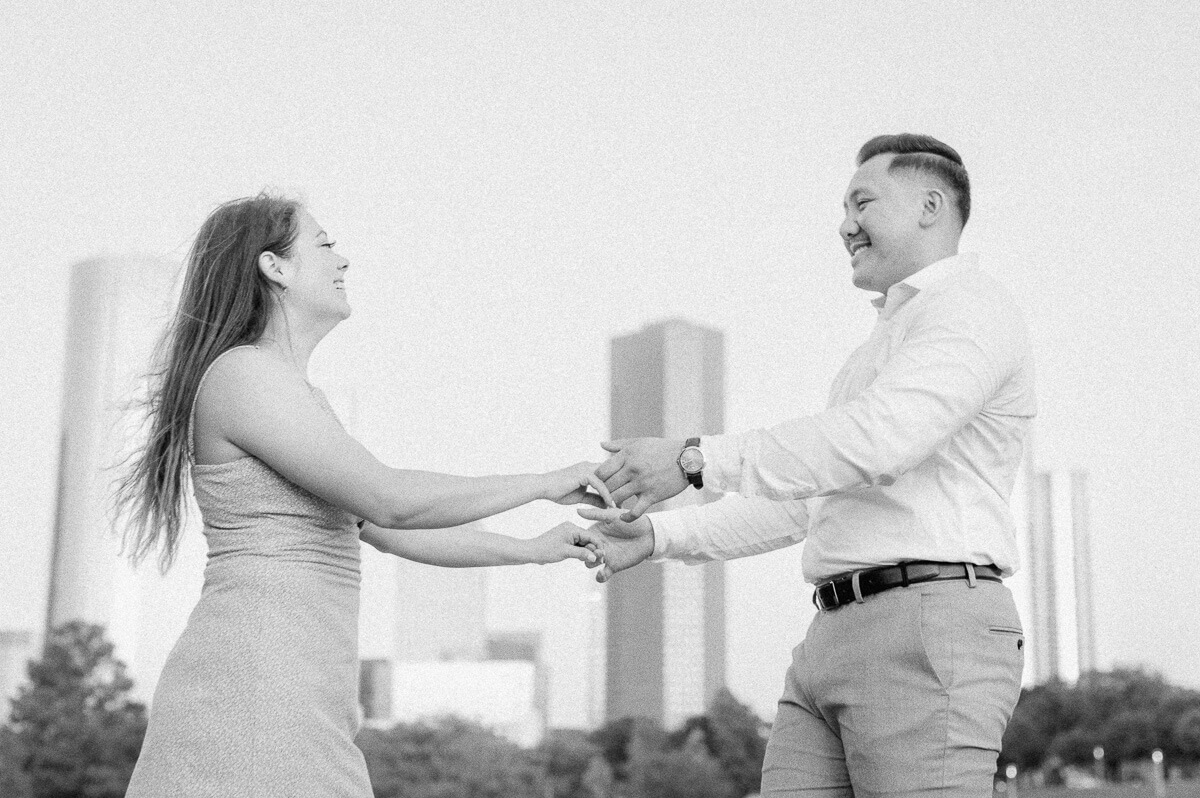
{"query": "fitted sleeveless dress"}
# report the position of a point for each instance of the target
(259, 697)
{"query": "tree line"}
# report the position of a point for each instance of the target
(714, 755)
(73, 730)
(1123, 715)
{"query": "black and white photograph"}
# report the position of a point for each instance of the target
(580, 399)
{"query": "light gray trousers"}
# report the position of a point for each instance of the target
(905, 694)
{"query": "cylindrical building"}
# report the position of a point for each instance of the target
(118, 308)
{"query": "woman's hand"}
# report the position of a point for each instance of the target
(565, 541)
(570, 486)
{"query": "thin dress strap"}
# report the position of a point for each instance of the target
(191, 443)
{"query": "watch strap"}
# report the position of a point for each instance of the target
(695, 480)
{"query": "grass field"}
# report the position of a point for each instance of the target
(1176, 789)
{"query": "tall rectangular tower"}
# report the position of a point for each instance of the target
(1061, 627)
(666, 621)
(1043, 629)
(1085, 611)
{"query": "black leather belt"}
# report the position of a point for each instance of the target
(856, 586)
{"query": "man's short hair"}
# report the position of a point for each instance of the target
(924, 154)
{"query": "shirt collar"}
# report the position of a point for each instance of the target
(931, 275)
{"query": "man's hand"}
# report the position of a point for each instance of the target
(643, 469)
(621, 545)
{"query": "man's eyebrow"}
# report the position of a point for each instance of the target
(321, 233)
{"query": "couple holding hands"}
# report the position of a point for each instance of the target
(906, 677)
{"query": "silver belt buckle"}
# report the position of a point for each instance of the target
(821, 605)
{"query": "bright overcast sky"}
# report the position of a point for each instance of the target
(516, 182)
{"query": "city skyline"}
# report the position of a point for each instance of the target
(514, 185)
(667, 379)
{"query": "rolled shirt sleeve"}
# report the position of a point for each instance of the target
(734, 526)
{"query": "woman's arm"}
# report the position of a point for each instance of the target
(263, 407)
(467, 547)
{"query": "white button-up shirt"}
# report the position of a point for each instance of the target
(914, 459)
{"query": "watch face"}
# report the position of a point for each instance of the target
(692, 460)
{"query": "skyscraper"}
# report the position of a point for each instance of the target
(117, 310)
(666, 621)
(1060, 624)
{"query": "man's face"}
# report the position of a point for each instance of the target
(882, 227)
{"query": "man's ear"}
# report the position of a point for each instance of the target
(933, 206)
(271, 265)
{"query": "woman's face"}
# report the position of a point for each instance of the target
(318, 279)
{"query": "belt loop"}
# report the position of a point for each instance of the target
(903, 575)
(858, 596)
(970, 574)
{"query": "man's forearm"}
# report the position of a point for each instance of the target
(733, 527)
(940, 379)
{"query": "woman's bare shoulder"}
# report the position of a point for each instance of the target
(252, 365)
(250, 374)
(249, 399)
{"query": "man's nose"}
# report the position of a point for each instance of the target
(848, 228)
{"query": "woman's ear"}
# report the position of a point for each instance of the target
(271, 265)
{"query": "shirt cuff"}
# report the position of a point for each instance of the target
(663, 541)
(672, 538)
(722, 462)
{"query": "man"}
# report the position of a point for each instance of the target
(909, 673)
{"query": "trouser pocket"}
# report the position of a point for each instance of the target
(1017, 635)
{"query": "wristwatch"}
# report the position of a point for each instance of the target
(691, 461)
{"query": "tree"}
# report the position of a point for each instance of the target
(1186, 735)
(1128, 711)
(738, 741)
(14, 782)
(732, 735)
(80, 731)
(680, 773)
(1075, 746)
(1025, 743)
(567, 758)
(618, 740)
(1102, 695)
(1042, 713)
(1177, 746)
(1130, 734)
(449, 758)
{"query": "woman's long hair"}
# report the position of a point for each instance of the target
(224, 303)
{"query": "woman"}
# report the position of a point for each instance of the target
(259, 696)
